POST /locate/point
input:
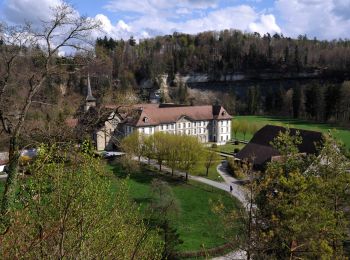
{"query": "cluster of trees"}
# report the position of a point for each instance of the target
(66, 209)
(313, 101)
(220, 53)
(29, 60)
(244, 127)
(298, 207)
(178, 152)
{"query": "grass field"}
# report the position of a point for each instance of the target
(197, 225)
(340, 133)
(229, 148)
(200, 170)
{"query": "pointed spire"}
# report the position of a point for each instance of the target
(89, 96)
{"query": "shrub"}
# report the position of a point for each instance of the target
(214, 146)
(236, 142)
(235, 169)
(236, 150)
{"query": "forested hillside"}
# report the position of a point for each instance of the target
(225, 52)
(247, 73)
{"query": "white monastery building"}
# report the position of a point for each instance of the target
(209, 123)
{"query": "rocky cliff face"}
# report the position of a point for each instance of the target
(232, 77)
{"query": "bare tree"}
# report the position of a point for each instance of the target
(65, 29)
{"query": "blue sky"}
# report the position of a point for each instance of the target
(324, 19)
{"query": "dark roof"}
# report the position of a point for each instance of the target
(261, 150)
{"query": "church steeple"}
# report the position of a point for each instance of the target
(90, 99)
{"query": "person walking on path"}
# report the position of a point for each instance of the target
(231, 189)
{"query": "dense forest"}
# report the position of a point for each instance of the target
(319, 69)
(223, 52)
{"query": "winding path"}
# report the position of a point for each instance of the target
(237, 192)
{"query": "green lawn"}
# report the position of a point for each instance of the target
(228, 148)
(197, 225)
(340, 133)
(212, 173)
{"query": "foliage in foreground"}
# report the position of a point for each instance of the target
(298, 206)
(304, 204)
(66, 210)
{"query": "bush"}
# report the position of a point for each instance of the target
(214, 146)
(236, 142)
(235, 169)
(236, 150)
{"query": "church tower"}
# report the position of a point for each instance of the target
(90, 99)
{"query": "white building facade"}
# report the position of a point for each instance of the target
(207, 127)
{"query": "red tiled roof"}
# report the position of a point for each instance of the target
(154, 114)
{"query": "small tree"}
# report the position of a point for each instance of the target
(235, 128)
(165, 208)
(149, 147)
(244, 128)
(190, 152)
(160, 141)
(253, 128)
(173, 152)
(210, 157)
(134, 145)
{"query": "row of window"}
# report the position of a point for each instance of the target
(224, 138)
(188, 124)
(224, 130)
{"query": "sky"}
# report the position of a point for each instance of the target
(324, 19)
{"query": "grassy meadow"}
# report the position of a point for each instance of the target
(197, 225)
(342, 134)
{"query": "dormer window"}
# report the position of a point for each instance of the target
(145, 119)
(223, 113)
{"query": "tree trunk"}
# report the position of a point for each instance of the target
(186, 176)
(11, 182)
(207, 171)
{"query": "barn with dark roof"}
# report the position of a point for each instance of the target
(260, 151)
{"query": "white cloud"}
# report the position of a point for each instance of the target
(19, 11)
(325, 19)
(158, 6)
(242, 17)
(267, 23)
